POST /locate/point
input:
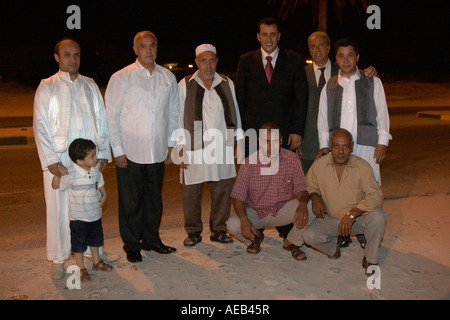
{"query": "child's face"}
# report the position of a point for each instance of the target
(90, 160)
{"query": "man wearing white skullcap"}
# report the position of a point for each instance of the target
(205, 47)
(209, 110)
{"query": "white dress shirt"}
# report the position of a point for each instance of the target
(204, 167)
(349, 118)
(142, 112)
(326, 72)
(274, 56)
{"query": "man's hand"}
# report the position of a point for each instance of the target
(380, 153)
(57, 169)
(318, 207)
(345, 226)
(322, 152)
(247, 229)
(168, 159)
(121, 161)
(370, 72)
(294, 141)
(181, 158)
(301, 216)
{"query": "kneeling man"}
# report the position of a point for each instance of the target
(270, 191)
(346, 199)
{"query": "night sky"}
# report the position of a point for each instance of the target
(413, 41)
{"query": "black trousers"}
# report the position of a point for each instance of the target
(140, 204)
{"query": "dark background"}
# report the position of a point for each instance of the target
(412, 44)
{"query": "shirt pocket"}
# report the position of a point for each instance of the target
(286, 185)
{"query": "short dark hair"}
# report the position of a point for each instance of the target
(268, 21)
(79, 148)
(270, 126)
(345, 42)
(57, 45)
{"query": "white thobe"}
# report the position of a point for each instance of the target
(349, 119)
(82, 101)
(216, 161)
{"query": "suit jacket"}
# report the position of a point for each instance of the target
(282, 101)
(310, 141)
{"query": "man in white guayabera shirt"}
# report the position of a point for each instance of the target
(66, 106)
(355, 102)
(142, 109)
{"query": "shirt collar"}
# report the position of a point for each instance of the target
(350, 162)
(263, 158)
(274, 54)
(354, 76)
(217, 79)
(80, 169)
(65, 76)
(141, 68)
(316, 67)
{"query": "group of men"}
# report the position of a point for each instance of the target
(201, 123)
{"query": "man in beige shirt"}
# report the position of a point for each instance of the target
(346, 199)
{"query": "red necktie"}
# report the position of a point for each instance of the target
(269, 68)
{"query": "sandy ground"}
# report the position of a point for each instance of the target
(414, 256)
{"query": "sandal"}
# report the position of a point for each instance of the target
(296, 252)
(85, 276)
(102, 266)
(221, 237)
(192, 240)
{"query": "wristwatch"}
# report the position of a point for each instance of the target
(351, 216)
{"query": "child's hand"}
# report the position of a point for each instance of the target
(102, 200)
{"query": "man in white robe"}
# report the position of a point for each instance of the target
(66, 106)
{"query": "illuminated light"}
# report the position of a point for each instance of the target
(190, 66)
(309, 61)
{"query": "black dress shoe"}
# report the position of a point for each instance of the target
(134, 256)
(161, 248)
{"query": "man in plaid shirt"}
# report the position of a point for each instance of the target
(270, 191)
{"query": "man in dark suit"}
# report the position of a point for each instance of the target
(282, 99)
(272, 90)
(319, 48)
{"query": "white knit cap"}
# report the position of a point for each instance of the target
(205, 47)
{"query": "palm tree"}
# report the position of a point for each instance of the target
(319, 9)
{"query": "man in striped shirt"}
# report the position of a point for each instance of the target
(270, 191)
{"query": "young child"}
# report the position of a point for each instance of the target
(87, 194)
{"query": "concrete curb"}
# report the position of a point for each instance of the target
(440, 115)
